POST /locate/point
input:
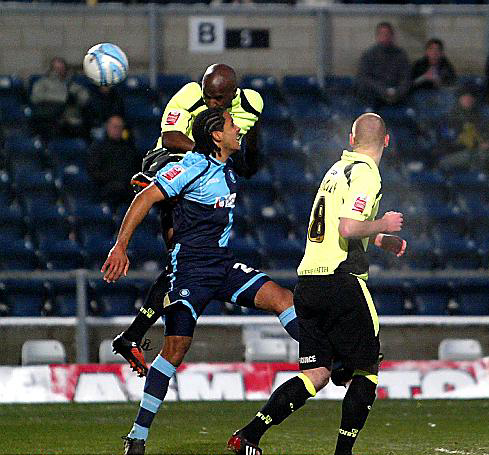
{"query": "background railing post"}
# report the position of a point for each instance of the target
(81, 313)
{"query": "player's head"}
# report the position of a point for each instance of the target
(369, 133)
(214, 131)
(219, 86)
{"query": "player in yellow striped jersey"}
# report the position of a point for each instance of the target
(337, 317)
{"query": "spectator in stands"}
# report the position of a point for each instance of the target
(384, 73)
(57, 103)
(112, 162)
(434, 70)
(104, 102)
(464, 137)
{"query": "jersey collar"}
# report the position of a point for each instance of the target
(355, 156)
(216, 161)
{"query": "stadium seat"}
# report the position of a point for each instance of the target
(24, 297)
(459, 349)
(91, 220)
(61, 254)
(32, 183)
(116, 299)
(302, 85)
(63, 297)
(266, 349)
(17, 254)
(43, 352)
(46, 220)
(64, 151)
(12, 225)
(169, 84)
(146, 250)
(75, 183)
(107, 355)
(24, 151)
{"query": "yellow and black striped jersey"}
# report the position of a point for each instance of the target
(350, 189)
(183, 107)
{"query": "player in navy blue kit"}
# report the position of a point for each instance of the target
(219, 90)
(200, 266)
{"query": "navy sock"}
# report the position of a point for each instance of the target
(289, 321)
(155, 388)
(355, 408)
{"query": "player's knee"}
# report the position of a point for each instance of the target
(319, 377)
(274, 298)
(175, 348)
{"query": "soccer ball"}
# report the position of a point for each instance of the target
(105, 64)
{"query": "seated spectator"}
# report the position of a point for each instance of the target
(104, 102)
(464, 142)
(112, 162)
(434, 70)
(57, 102)
(384, 73)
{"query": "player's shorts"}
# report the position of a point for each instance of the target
(194, 278)
(337, 320)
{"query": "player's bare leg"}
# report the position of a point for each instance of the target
(159, 374)
(280, 301)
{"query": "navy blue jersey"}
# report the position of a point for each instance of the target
(206, 188)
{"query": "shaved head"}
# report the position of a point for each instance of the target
(368, 131)
(219, 74)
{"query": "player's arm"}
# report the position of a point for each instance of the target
(176, 119)
(176, 140)
(247, 161)
(355, 229)
(117, 262)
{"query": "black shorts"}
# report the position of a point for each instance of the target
(337, 321)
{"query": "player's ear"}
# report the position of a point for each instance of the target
(217, 136)
(352, 140)
(386, 140)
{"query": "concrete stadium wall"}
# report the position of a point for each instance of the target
(33, 33)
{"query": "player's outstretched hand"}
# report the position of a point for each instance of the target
(393, 221)
(393, 244)
(116, 264)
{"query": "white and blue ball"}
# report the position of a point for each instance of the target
(105, 64)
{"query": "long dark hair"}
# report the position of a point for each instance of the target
(205, 123)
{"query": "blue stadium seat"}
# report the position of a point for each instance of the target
(302, 85)
(12, 225)
(95, 250)
(285, 254)
(13, 111)
(63, 297)
(91, 220)
(273, 232)
(147, 133)
(45, 220)
(24, 151)
(25, 297)
(472, 296)
(31, 183)
(338, 84)
(61, 254)
(65, 151)
(389, 301)
(431, 296)
(169, 84)
(17, 254)
(116, 299)
(266, 85)
(146, 250)
(74, 182)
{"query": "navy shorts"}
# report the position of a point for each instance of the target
(194, 278)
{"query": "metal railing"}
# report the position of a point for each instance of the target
(83, 321)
